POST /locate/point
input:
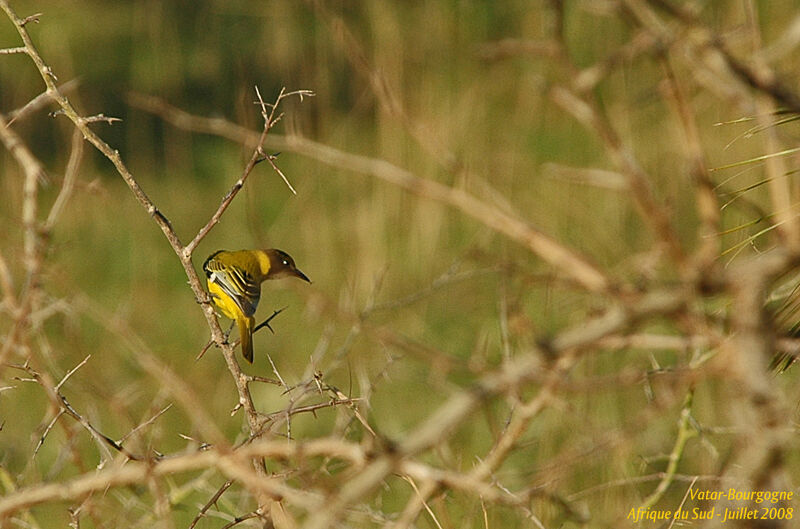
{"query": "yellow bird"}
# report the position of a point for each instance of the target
(234, 281)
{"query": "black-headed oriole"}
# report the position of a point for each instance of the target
(234, 281)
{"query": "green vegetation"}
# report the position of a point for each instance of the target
(423, 290)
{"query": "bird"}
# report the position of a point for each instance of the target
(234, 281)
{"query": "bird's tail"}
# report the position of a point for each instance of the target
(245, 325)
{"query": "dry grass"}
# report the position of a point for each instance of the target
(547, 288)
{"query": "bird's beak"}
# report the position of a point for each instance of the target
(301, 275)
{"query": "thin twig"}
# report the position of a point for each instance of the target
(685, 432)
(232, 464)
(145, 424)
(265, 323)
(47, 431)
(39, 101)
(101, 118)
(71, 372)
(683, 502)
(184, 253)
(258, 156)
(240, 519)
(217, 495)
(563, 259)
(68, 184)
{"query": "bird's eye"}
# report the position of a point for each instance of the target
(285, 262)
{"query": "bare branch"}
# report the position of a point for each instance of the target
(145, 424)
(39, 102)
(100, 118)
(72, 372)
(68, 184)
(229, 463)
(258, 156)
(563, 259)
(217, 495)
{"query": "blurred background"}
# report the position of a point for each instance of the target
(411, 300)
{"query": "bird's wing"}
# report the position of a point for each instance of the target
(242, 288)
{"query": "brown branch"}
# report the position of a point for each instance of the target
(112, 154)
(587, 110)
(145, 424)
(39, 102)
(7, 286)
(510, 376)
(60, 402)
(763, 415)
(563, 259)
(184, 253)
(142, 354)
(34, 173)
(759, 76)
(257, 156)
(240, 519)
(588, 78)
(563, 347)
(230, 463)
(68, 184)
(217, 495)
(270, 120)
(779, 183)
(706, 198)
(354, 51)
(652, 213)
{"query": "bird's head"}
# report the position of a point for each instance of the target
(281, 264)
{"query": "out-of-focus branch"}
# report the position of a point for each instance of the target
(230, 463)
(753, 345)
(184, 253)
(651, 211)
(778, 178)
(353, 51)
(39, 101)
(270, 119)
(563, 259)
(180, 390)
(59, 402)
(583, 105)
(705, 196)
(34, 173)
(757, 75)
(81, 123)
(68, 184)
(510, 376)
(505, 48)
(685, 432)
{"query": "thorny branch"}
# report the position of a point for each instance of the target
(35, 172)
(534, 377)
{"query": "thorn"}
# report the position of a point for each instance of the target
(100, 117)
(266, 324)
(49, 71)
(30, 18)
